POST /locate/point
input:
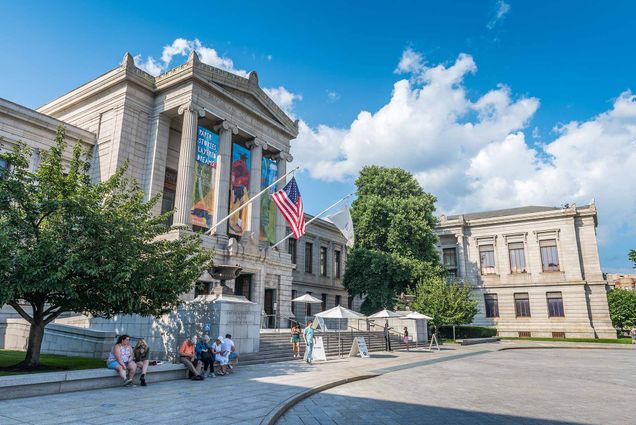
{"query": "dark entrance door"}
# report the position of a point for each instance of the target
(268, 306)
(243, 286)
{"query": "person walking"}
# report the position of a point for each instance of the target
(295, 339)
(310, 339)
(387, 336)
(406, 337)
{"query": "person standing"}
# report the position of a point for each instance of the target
(310, 339)
(406, 337)
(141, 353)
(295, 339)
(387, 336)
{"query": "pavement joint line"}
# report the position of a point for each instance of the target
(570, 347)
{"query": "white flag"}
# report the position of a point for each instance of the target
(342, 220)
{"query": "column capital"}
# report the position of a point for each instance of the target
(227, 126)
(284, 156)
(191, 107)
(256, 142)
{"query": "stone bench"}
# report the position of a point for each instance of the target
(473, 341)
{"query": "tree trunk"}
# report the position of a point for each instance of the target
(36, 335)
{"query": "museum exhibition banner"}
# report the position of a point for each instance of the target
(240, 183)
(202, 212)
(269, 173)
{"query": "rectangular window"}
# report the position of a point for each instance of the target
(337, 300)
(449, 259)
(492, 305)
(350, 303)
(292, 249)
(323, 261)
(336, 263)
(555, 304)
(293, 305)
(308, 307)
(324, 302)
(522, 304)
(549, 255)
(308, 257)
(169, 193)
(517, 257)
(487, 259)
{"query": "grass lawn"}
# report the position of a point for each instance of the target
(49, 362)
(601, 341)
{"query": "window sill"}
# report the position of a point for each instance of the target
(523, 317)
(556, 317)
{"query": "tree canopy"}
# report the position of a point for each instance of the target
(395, 240)
(622, 308)
(632, 256)
(70, 245)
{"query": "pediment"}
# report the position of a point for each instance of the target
(252, 101)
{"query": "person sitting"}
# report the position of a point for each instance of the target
(204, 354)
(189, 359)
(229, 350)
(217, 350)
(120, 358)
(141, 354)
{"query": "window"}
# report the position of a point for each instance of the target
(292, 249)
(169, 193)
(525, 334)
(558, 335)
(555, 304)
(492, 306)
(308, 307)
(549, 255)
(293, 305)
(336, 263)
(517, 257)
(308, 257)
(487, 259)
(350, 303)
(324, 302)
(522, 305)
(337, 300)
(449, 258)
(323, 261)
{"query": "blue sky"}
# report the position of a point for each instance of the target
(562, 63)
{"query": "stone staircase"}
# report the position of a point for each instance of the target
(276, 347)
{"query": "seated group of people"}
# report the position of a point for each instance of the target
(199, 356)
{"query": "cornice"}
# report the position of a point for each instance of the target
(544, 215)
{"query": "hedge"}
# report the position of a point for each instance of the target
(465, 331)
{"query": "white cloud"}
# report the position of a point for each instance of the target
(473, 154)
(502, 9)
(332, 95)
(283, 98)
(411, 62)
(183, 47)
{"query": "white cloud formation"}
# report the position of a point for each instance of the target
(502, 8)
(283, 98)
(473, 154)
(411, 62)
(332, 95)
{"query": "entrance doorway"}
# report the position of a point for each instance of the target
(268, 306)
(243, 286)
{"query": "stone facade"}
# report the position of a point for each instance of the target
(622, 281)
(537, 268)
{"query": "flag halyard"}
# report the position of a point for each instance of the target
(290, 204)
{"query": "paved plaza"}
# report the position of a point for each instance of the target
(475, 385)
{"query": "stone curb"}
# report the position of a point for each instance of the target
(273, 416)
(570, 347)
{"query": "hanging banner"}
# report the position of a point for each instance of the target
(239, 190)
(269, 174)
(202, 212)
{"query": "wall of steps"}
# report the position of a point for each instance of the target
(276, 347)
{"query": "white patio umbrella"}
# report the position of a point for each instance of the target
(307, 299)
(415, 315)
(339, 312)
(384, 314)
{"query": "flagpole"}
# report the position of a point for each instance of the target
(258, 195)
(315, 218)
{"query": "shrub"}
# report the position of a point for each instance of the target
(465, 331)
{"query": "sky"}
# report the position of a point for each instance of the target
(489, 103)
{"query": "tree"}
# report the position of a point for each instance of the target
(395, 240)
(622, 308)
(70, 245)
(632, 256)
(449, 303)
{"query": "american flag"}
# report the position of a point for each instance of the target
(291, 206)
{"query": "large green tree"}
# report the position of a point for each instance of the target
(632, 256)
(449, 303)
(395, 240)
(70, 245)
(622, 308)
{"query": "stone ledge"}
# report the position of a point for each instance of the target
(36, 384)
(473, 341)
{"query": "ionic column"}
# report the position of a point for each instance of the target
(222, 179)
(256, 162)
(281, 224)
(187, 154)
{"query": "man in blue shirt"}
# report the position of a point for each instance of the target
(310, 338)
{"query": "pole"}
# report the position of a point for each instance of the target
(258, 195)
(315, 218)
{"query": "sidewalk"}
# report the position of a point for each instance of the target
(247, 397)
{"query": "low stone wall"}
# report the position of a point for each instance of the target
(58, 339)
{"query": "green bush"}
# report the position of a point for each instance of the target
(465, 331)
(622, 308)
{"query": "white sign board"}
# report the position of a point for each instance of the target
(319, 351)
(359, 347)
